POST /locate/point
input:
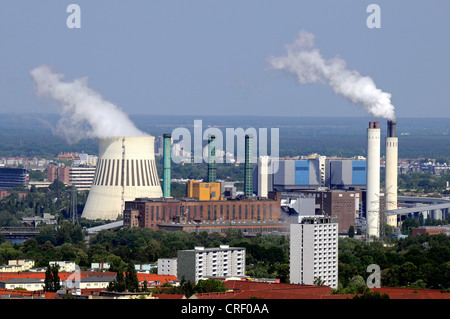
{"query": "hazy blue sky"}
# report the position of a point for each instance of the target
(210, 57)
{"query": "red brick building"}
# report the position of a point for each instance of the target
(159, 213)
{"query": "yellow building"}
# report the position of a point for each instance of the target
(203, 190)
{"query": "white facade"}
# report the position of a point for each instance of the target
(373, 180)
(30, 284)
(314, 251)
(263, 176)
(168, 266)
(82, 177)
(126, 170)
(205, 263)
(64, 266)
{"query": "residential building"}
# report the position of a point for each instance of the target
(30, 284)
(81, 177)
(60, 173)
(168, 266)
(17, 265)
(13, 177)
(205, 263)
(64, 266)
(314, 251)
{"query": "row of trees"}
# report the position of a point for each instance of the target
(416, 262)
(423, 182)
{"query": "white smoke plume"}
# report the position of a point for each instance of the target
(306, 62)
(84, 113)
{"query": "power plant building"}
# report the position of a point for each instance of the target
(295, 174)
(313, 173)
(346, 173)
(248, 214)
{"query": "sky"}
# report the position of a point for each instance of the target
(209, 57)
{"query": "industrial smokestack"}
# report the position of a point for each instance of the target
(263, 176)
(167, 148)
(212, 159)
(126, 170)
(248, 178)
(391, 171)
(373, 180)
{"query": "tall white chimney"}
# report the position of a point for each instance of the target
(373, 180)
(391, 171)
(263, 176)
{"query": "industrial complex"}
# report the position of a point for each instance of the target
(126, 184)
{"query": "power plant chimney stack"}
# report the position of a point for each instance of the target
(373, 180)
(167, 149)
(263, 176)
(391, 171)
(248, 178)
(212, 159)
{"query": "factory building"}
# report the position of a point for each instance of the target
(299, 174)
(312, 173)
(346, 173)
(196, 215)
(203, 190)
(345, 206)
(314, 251)
(206, 263)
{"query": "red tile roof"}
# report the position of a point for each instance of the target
(248, 289)
(156, 278)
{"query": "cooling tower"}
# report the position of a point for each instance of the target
(391, 171)
(373, 180)
(126, 169)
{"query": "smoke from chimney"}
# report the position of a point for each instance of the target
(306, 62)
(84, 113)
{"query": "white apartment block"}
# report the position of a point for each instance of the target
(206, 263)
(82, 177)
(314, 251)
(64, 266)
(168, 266)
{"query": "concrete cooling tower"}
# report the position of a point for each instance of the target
(126, 169)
